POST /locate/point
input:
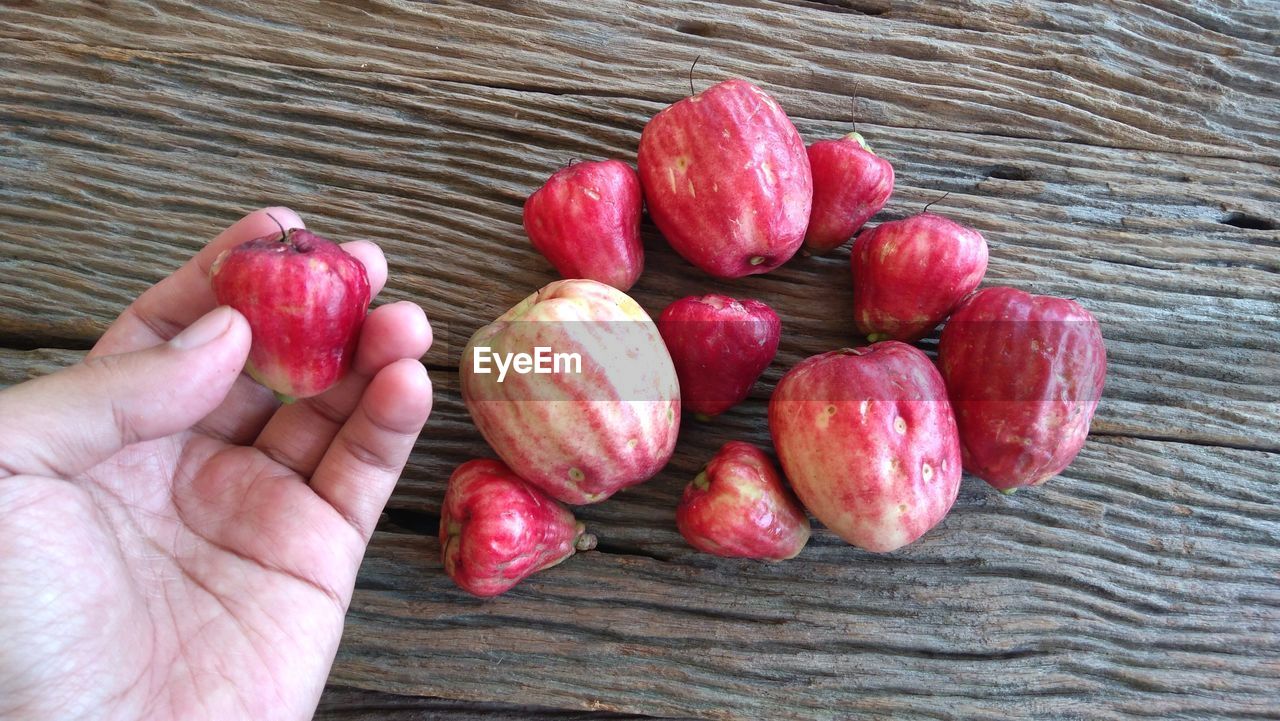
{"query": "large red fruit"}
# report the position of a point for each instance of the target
(586, 221)
(727, 180)
(305, 299)
(867, 438)
(850, 184)
(720, 346)
(908, 274)
(1025, 374)
(496, 530)
(579, 431)
(738, 507)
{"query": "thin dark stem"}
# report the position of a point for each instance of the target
(936, 200)
(691, 67)
(283, 233)
(855, 99)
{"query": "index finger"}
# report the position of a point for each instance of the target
(179, 300)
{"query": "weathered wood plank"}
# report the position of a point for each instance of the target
(1174, 75)
(104, 196)
(1122, 154)
(17, 366)
(1144, 582)
(348, 704)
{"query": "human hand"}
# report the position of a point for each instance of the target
(173, 543)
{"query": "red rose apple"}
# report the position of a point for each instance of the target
(720, 346)
(727, 180)
(738, 507)
(580, 432)
(305, 299)
(496, 529)
(867, 438)
(586, 221)
(1025, 374)
(850, 184)
(908, 274)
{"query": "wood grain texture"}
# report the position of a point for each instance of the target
(348, 704)
(1123, 154)
(1173, 75)
(1190, 305)
(1143, 582)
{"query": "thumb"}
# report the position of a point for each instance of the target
(67, 422)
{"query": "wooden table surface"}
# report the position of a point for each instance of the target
(1125, 154)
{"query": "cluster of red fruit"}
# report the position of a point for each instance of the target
(872, 439)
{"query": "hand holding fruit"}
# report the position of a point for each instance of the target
(182, 489)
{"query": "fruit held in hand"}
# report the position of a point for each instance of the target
(867, 438)
(586, 221)
(305, 299)
(496, 530)
(726, 178)
(1025, 374)
(720, 346)
(909, 274)
(738, 507)
(588, 429)
(850, 184)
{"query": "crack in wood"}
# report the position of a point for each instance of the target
(1190, 441)
(1248, 221)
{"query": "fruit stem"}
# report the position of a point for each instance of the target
(855, 105)
(1008, 491)
(856, 137)
(691, 67)
(585, 541)
(938, 200)
(284, 235)
(283, 398)
(701, 482)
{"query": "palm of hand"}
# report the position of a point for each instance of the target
(222, 599)
(205, 574)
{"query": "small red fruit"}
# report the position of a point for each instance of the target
(305, 299)
(496, 529)
(738, 507)
(909, 274)
(720, 346)
(867, 438)
(1025, 374)
(586, 221)
(727, 180)
(850, 184)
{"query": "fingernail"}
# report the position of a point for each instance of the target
(207, 329)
